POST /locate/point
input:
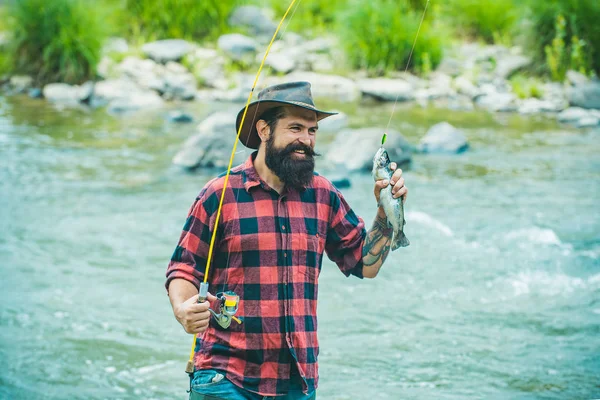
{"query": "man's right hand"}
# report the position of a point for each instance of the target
(194, 316)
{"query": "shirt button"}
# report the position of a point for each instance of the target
(285, 255)
(283, 227)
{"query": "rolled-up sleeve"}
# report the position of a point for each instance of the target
(345, 237)
(189, 258)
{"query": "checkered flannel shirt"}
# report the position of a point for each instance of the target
(268, 250)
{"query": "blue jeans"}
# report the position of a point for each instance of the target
(209, 384)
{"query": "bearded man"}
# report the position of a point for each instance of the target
(278, 218)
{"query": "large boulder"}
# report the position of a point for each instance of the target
(387, 89)
(586, 95)
(443, 138)
(163, 51)
(354, 149)
(256, 20)
(211, 146)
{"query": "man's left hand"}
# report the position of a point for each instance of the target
(397, 181)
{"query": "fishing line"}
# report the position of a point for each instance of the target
(189, 367)
(408, 64)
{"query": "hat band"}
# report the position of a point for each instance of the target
(299, 103)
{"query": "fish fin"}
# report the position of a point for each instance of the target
(400, 240)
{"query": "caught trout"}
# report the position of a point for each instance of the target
(394, 209)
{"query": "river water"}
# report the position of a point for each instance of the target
(498, 296)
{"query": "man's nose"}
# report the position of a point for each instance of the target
(306, 139)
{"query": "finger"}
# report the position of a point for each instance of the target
(396, 176)
(399, 184)
(401, 192)
(199, 307)
(393, 166)
(211, 297)
(200, 325)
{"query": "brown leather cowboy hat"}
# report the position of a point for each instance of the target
(287, 94)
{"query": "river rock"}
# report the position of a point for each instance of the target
(508, 65)
(123, 95)
(238, 47)
(179, 83)
(536, 106)
(322, 85)
(451, 66)
(115, 45)
(280, 62)
(20, 83)
(208, 66)
(443, 138)
(586, 95)
(67, 94)
(140, 100)
(211, 145)
(320, 45)
(107, 68)
(440, 86)
(576, 78)
(574, 115)
(35, 93)
(354, 149)
(179, 116)
(163, 51)
(255, 19)
(588, 122)
(464, 86)
(387, 89)
(498, 102)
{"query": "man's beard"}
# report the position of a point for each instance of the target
(294, 172)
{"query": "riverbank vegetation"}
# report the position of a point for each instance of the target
(61, 40)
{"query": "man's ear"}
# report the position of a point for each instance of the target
(264, 132)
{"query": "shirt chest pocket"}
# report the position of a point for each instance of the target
(307, 251)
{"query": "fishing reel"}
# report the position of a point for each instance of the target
(227, 306)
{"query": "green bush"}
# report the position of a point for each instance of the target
(488, 20)
(188, 19)
(310, 17)
(58, 40)
(378, 36)
(565, 35)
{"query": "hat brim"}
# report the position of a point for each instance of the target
(249, 135)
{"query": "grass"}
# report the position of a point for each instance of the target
(565, 35)
(488, 20)
(168, 19)
(57, 41)
(378, 36)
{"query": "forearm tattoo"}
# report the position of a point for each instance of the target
(377, 243)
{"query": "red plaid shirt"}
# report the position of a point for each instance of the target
(268, 250)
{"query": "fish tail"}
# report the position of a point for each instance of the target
(400, 240)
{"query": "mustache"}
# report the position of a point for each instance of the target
(292, 147)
